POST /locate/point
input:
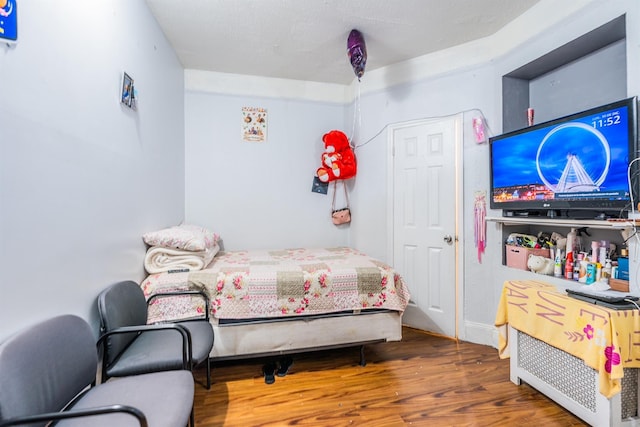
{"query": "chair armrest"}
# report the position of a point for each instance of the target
(187, 348)
(202, 294)
(54, 416)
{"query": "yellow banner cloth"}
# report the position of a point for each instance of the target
(607, 340)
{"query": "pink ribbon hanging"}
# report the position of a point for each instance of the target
(480, 223)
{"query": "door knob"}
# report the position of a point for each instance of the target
(448, 239)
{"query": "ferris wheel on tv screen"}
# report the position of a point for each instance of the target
(573, 157)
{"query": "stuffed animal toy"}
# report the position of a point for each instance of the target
(338, 159)
(541, 265)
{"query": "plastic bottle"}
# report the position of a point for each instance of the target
(623, 265)
(606, 272)
(568, 266)
(557, 267)
(576, 267)
(603, 253)
(571, 241)
(595, 247)
(591, 273)
(582, 277)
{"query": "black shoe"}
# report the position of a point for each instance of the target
(285, 364)
(269, 370)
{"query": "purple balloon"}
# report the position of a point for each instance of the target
(357, 51)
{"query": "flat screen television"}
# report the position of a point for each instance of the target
(575, 166)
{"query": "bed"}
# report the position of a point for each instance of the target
(266, 302)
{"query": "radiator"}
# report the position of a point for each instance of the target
(571, 383)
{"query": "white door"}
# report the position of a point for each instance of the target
(425, 195)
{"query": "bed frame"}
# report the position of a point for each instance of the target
(357, 281)
(266, 337)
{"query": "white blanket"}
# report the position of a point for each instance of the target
(160, 259)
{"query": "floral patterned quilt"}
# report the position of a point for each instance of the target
(277, 283)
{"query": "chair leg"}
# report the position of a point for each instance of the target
(208, 373)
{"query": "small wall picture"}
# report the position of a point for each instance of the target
(254, 124)
(8, 21)
(127, 96)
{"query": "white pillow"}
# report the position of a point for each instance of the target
(185, 236)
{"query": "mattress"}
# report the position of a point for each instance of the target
(271, 284)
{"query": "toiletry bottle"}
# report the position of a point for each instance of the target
(606, 272)
(557, 267)
(571, 241)
(595, 247)
(582, 277)
(623, 265)
(568, 266)
(576, 267)
(591, 273)
(603, 253)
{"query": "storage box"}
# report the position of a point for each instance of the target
(619, 285)
(517, 256)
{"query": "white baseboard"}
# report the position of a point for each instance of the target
(480, 333)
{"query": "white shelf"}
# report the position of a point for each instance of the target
(564, 222)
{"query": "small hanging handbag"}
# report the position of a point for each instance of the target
(340, 216)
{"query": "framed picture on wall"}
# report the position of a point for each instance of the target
(254, 124)
(8, 21)
(126, 96)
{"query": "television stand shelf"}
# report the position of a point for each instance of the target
(616, 232)
(565, 222)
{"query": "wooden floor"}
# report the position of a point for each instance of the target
(423, 380)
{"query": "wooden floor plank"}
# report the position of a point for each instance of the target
(422, 380)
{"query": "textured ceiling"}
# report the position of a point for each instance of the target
(307, 39)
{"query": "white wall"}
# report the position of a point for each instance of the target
(258, 195)
(81, 177)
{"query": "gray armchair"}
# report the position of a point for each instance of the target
(131, 347)
(48, 373)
